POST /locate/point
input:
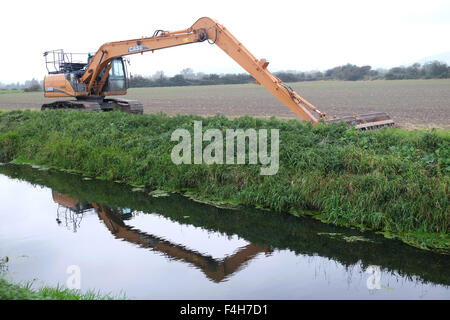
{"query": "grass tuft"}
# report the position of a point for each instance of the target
(26, 291)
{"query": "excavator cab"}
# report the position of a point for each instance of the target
(117, 76)
(117, 80)
(64, 71)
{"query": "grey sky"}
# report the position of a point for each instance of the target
(292, 35)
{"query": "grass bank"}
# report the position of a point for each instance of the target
(9, 291)
(391, 180)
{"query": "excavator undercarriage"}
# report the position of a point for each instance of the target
(107, 104)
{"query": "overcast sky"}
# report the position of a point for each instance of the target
(292, 35)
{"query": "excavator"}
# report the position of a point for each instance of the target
(217, 270)
(105, 74)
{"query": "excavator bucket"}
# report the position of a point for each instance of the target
(367, 121)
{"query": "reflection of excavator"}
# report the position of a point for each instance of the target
(104, 74)
(71, 210)
(113, 219)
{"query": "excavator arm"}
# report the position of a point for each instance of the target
(205, 29)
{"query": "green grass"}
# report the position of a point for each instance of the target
(9, 291)
(11, 91)
(393, 181)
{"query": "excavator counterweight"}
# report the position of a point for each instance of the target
(104, 74)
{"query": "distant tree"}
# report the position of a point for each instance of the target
(413, 71)
(436, 69)
(348, 72)
(214, 77)
(158, 75)
(316, 75)
(138, 81)
(396, 73)
(287, 76)
(188, 73)
(200, 75)
(178, 80)
(33, 88)
(32, 85)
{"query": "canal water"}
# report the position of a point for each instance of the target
(66, 229)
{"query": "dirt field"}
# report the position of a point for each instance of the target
(411, 103)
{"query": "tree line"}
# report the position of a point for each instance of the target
(188, 78)
(27, 86)
(348, 72)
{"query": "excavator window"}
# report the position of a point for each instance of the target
(117, 69)
(116, 79)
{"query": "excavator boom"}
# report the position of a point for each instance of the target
(93, 81)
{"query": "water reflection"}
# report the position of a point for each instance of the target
(113, 219)
(338, 260)
(70, 211)
(3, 265)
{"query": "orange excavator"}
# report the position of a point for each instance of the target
(104, 74)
